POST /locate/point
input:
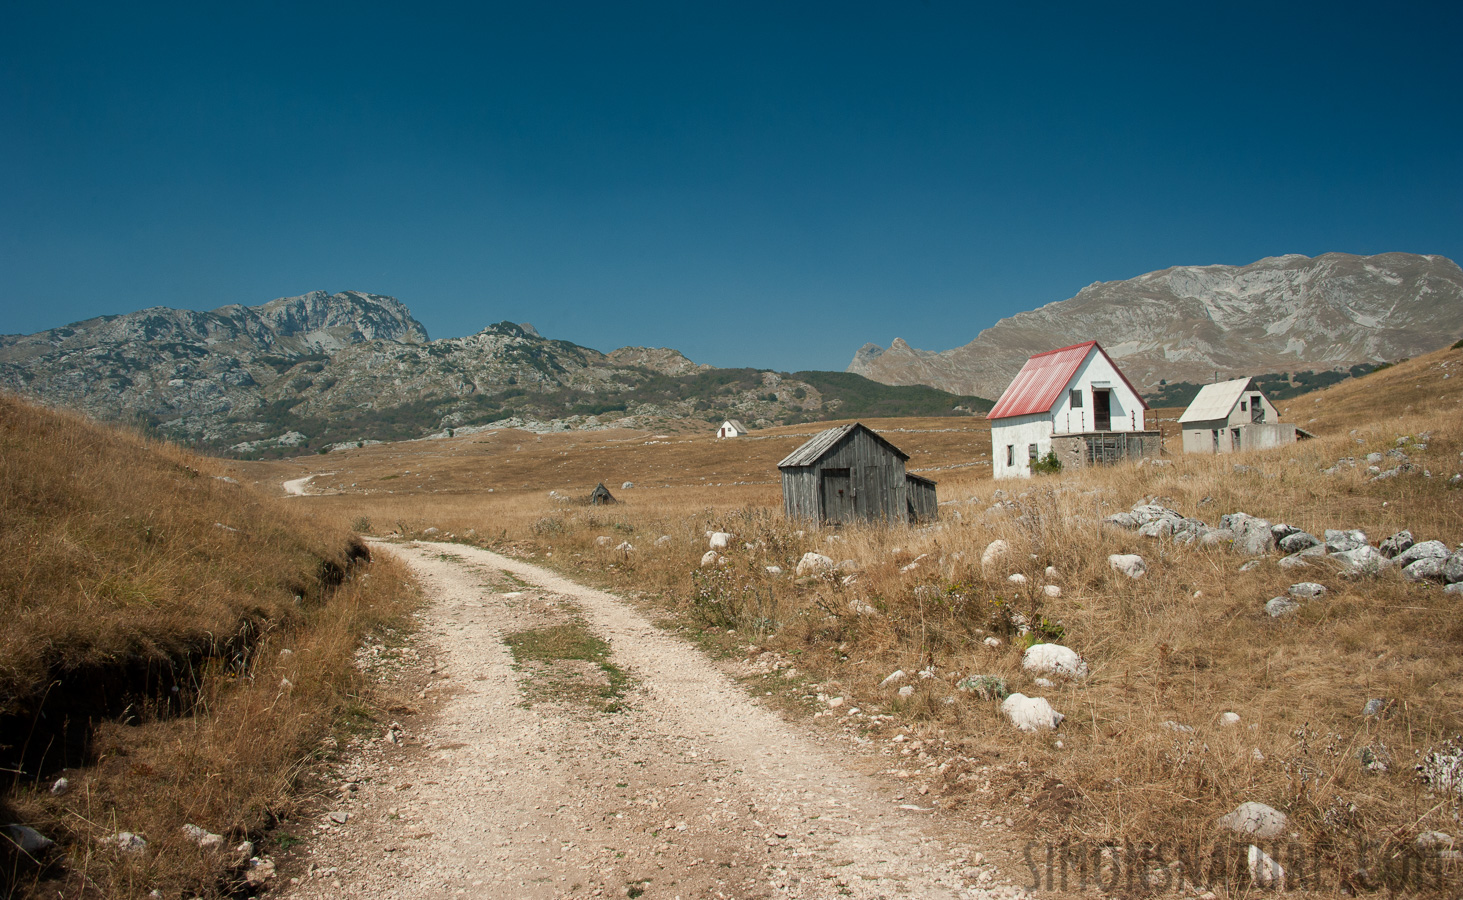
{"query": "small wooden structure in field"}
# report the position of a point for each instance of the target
(731, 428)
(1234, 415)
(601, 496)
(850, 474)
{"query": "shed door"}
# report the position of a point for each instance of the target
(1101, 410)
(837, 492)
(1257, 409)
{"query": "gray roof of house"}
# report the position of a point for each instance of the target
(1215, 401)
(824, 441)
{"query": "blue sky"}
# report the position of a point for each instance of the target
(754, 184)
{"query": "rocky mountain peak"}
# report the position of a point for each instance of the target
(1280, 314)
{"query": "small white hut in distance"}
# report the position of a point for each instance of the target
(1234, 415)
(1074, 402)
(731, 428)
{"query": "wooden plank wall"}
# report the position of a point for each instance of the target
(881, 492)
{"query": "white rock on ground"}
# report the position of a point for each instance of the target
(1280, 606)
(662, 540)
(1051, 590)
(1363, 560)
(202, 837)
(1229, 719)
(893, 678)
(125, 842)
(1130, 564)
(993, 552)
(1053, 659)
(720, 540)
(1307, 590)
(813, 563)
(1030, 713)
(625, 547)
(708, 558)
(774, 570)
(1253, 818)
(1016, 578)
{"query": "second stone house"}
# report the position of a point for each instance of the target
(1234, 415)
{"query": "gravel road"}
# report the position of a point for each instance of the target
(523, 783)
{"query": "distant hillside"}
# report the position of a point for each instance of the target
(1285, 313)
(318, 371)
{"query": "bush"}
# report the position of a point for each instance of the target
(1046, 465)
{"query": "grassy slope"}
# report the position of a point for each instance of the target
(1182, 645)
(128, 567)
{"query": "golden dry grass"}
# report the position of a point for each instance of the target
(145, 603)
(1180, 646)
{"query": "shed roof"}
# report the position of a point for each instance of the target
(824, 441)
(736, 424)
(1215, 401)
(1039, 384)
(910, 476)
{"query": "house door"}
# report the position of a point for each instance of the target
(1101, 410)
(837, 494)
(1257, 409)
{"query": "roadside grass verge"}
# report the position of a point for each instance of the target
(177, 646)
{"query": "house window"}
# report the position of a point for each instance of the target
(1010, 454)
(1031, 452)
(1076, 398)
(1243, 406)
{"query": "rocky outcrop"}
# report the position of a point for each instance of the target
(1281, 314)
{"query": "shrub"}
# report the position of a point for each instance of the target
(1046, 465)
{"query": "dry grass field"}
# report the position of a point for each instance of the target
(1141, 756)
(147, 603)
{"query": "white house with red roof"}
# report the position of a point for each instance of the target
(1075, 402)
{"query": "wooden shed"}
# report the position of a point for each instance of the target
(850, 474)
(601, 496)
(923, 507)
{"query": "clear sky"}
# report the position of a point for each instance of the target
(755, 184)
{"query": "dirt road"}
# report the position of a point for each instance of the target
(647, 773)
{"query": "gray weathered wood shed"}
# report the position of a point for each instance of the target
(850, 474)
(923, 507)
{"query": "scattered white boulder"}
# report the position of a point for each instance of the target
(603, 540)
(813, 564)
(774, 570)
(1051, 571)
(202, 837)
(993, 642)
(993, 552)
(835, 702)
(125, 842)
(1253, 818)
(1363, 560)
(1016, 578)
(1053, 659)
(720, 540)
(893, 678)
(907, 691)
(60, 786)
(662, 540)
(1129, 564)
(1307, 590)
(708, 558)
(1030, 713)
(1280, 606)
(1051, 590)
(627, 485)
(1228, 719)
(625, 547)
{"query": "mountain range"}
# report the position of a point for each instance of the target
(1198, 323)
(324, 370)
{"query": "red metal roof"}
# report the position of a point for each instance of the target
(1039, 384)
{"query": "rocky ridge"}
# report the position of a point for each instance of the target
(1280, 314)
(322, 371)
